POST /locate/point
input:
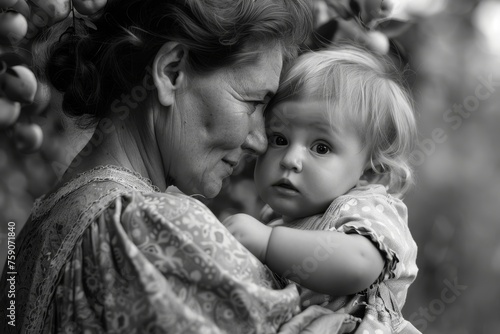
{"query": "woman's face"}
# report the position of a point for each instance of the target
(217, 118)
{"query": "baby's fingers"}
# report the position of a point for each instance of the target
(232, 225)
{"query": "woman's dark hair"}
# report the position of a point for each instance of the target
(93, 67)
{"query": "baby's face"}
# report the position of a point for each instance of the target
(309, 162)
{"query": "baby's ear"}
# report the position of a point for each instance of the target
(364, 179)
(369, 176)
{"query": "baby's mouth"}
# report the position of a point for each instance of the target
(286, 184)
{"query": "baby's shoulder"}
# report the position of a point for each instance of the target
(373, 195)
(369, 191)
(370, 205)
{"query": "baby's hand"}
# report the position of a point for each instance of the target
(250, 232)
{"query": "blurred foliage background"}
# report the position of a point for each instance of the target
(451, 56)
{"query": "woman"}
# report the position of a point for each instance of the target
(177, 90)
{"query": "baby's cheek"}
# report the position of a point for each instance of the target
(260, 175)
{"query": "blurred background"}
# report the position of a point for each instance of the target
(450, 51)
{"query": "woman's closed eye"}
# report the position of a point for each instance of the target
(321, 148)
(277, 140)
(255, 105)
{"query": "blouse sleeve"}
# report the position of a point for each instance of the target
(164, 263)
(383, 220)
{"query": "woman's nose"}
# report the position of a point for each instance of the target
(292, 159)
(256, 141)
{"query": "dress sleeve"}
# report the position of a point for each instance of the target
(383, 220)
(164, 263)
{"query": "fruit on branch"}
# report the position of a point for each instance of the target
(22, 7)
(372, 39)
(366, 22)
(89, 7)
(377, 41)
(45, 13)
(18, 83)
(7, 3)
(9, 112)
(371, 10)
(28, 138)
(13, 27)
(40, 102)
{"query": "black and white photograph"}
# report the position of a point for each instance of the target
(250, 166)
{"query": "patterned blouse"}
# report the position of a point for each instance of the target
(109, 253)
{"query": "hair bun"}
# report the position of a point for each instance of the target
(61, 65)
(72, 72)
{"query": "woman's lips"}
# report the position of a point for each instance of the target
(230, 164)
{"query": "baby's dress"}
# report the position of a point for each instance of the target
(108, 253)
(372, 212)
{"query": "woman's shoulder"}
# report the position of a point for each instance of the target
(92, 188)
(160, 211)
(165, 206)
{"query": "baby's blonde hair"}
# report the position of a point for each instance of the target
(360, 92)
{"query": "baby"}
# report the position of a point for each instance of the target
(340, 133)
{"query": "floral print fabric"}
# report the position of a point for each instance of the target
(109, 254)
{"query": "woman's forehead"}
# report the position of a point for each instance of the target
(262, 74)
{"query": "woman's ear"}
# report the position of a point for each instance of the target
(169, 69)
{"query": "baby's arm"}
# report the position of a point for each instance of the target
(324, 261)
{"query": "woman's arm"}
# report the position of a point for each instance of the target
(329, 262)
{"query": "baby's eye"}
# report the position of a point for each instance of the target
(277, 140)
(321, 149)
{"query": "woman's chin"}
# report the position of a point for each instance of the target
(211, 189)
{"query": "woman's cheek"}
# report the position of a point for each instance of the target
(235, 129)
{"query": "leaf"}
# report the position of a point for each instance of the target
(392, 28)
(10, 71)
(12, 59)
(324, 35)
(90, 24)
(3, 67)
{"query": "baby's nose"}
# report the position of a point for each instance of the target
(292, 160)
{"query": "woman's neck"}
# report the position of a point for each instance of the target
(117, 142)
